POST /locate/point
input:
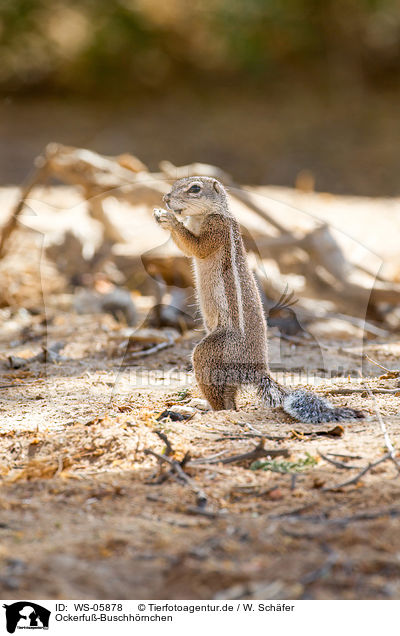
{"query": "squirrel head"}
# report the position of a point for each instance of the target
(196, 195)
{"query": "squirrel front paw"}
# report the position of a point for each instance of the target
(164, 218)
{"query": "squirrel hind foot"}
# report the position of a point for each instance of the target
(220, 397)
(313, 409)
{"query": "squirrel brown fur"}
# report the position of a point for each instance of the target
(234, 352)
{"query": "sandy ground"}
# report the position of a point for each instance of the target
(86, 513)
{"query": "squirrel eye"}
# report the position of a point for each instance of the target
(194, 189)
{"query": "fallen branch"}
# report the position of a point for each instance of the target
(343, 391)
(336, 431)
(169, 340)
(168, 447)
(330, 348)
(293, 513)
(390, 374)
(323, 571)
(388, 441)
(176, 470)
(150, 351)
(339, 521)
(367, 516)
(204, 512)
(345, 456)
(336, 463)
(47, 355)
(37, 176)
(272, 438)
(315, 254)
(304, 342)
(179, 474)
(256, 453)
(357, 477)
(208, 460)
(253, 429)
(360, 323)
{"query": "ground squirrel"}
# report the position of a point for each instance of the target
(234, 351)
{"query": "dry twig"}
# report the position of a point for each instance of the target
(38, 175)
(169, 341)
(349, 391)
(356, 478)
(388, 441)
(177, 471)
(345, 456)
(257, 452)
(272, 438)
(390, 374)
(179, 475)
(336, 521)
(336, 463)
(47, 355)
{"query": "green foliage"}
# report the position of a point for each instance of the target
(182, 395)
(285, 466)
(95, 44)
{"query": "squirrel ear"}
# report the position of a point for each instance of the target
(217, 186)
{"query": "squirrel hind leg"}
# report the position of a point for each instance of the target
(216, 368)
(230, 397)
(220, 397)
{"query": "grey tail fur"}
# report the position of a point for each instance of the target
(302, 405)
(271, 393)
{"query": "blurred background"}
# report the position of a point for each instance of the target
(296, 105)
(266, 89)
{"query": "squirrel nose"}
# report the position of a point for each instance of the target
(166, 198)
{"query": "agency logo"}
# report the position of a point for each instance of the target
(26, 615)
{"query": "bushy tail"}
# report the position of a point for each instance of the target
(271, 393)
(302, 405)
(311, 408)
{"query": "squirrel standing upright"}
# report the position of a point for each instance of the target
(234, 351)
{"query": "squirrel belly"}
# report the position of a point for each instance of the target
(234, 351)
